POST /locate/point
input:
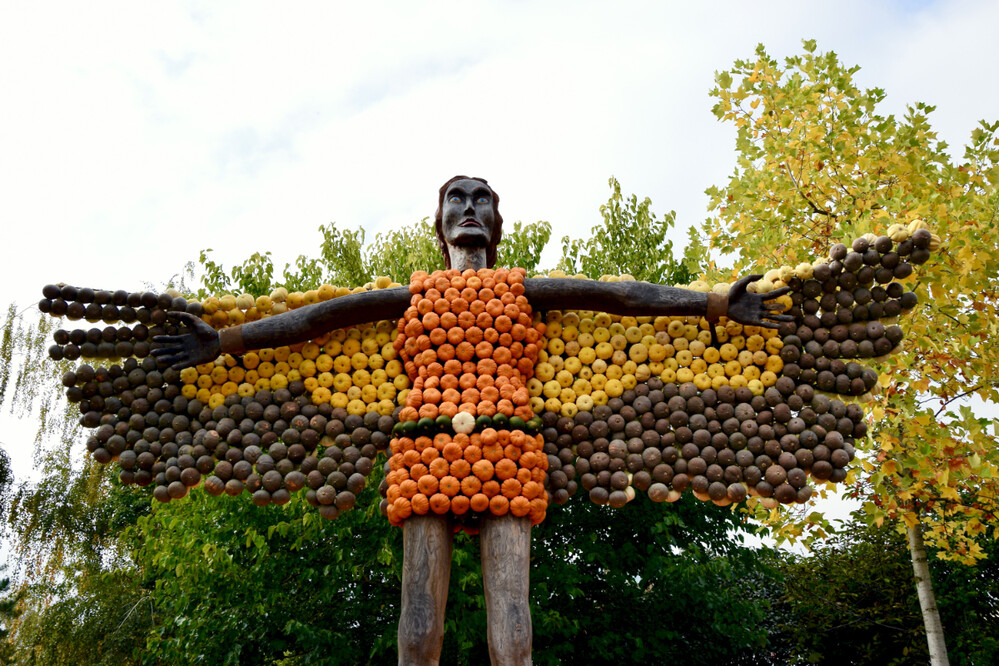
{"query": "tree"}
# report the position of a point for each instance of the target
(257, 586)
(818, 164)
(6, 479)
(630, 230)
(850, 601)
(971, 605)
(231, 583)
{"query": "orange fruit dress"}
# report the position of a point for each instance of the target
(469, 345)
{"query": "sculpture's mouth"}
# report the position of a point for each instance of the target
(470, 223)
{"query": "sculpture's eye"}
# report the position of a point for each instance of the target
(454, 199)
(482, 200)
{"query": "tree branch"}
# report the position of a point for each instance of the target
(961, 395)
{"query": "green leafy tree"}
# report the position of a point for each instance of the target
(6, 479)
(344, 259)
(649, 583)
(971, 605)
(9, 601)
(851, 601)
(101, 618)
(631, 240)
(282, 584)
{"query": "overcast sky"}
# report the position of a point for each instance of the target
(133, 135)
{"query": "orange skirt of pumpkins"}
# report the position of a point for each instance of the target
(469, 344)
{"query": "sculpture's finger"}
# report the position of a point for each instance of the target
(183, 316)
(166, 351)
(171, 359)
(169, 339)
(776, 293)
(780, 317)
(779, 307)
(741, 285)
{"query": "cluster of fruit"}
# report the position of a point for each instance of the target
(841, 306)
(266, 422)
(592, 357)
(470, 344)
(355, 369)
(265, 445)
(144, 316)
(268, 444)
(233, 310)
(351, 368)
(467, 474)
(723, 444)
(665, 404)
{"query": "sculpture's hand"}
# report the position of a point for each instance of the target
(754, 309)
(200, 344)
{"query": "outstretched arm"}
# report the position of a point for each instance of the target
(201, 343)
(643, 298)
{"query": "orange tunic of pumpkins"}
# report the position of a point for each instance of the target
(469, 346)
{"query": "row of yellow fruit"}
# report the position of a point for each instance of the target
(586, 359)
(354, 368)
(592, 357)
(232, 310)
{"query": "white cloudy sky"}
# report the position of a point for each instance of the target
(132, 134)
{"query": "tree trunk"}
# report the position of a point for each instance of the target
(927, 600)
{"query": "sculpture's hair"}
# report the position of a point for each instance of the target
(497, 227)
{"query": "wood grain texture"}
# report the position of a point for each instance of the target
(464, 258)
(426, 570)
(623, 298)
(506, 559)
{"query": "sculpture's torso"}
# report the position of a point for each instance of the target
(469, 346)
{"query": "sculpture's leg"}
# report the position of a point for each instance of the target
(426, 569)
(506, 551)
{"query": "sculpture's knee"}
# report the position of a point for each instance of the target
(510, 633)
(421, 631)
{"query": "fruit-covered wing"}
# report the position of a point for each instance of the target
(846, 306)
(662, 404)
(269, 422)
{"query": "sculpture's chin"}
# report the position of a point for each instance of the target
(470, 237)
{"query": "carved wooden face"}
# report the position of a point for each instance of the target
(468, 215)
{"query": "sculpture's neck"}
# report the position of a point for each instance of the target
(466, 256)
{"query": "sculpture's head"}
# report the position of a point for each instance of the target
(468, 215)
